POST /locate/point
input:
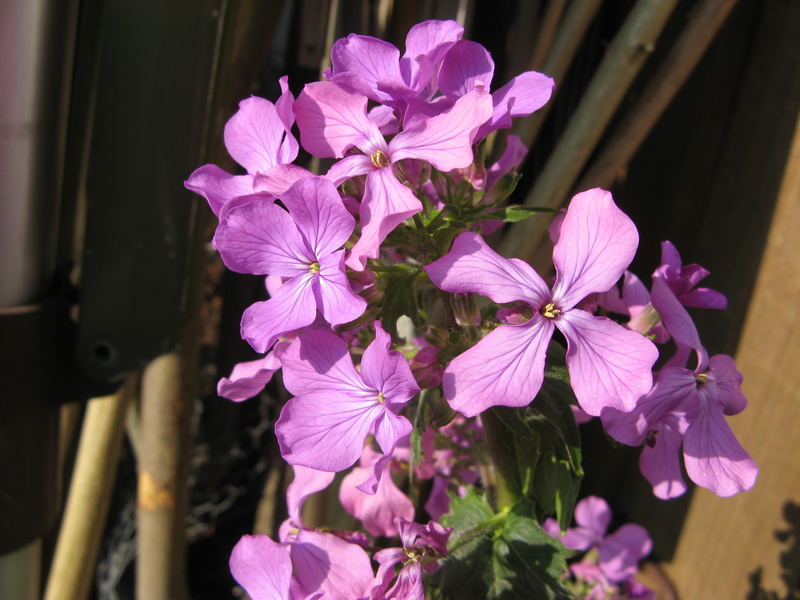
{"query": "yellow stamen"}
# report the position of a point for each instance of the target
(381, 398)
(313, 267)
(379, 159)
(412, 556)
(701, 379)
(550, 311)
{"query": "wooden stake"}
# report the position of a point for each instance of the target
(544, 37)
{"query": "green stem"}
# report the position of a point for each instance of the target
(506, 485)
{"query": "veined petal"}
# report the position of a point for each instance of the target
(445, 140)
(260, 238)
(385, 205)
(278, 179)
(218, 186)
(248, 378)
(472, 266)
(335, 298)
(325, 564)
(713, 456)
(593, 514)
(526, 93)
(320, 215)
(466, 66)
(660, 464)
(291, 308)
(349, 166)
(318, 361)
(305, 483)
(596, 243)
(376, 511)
(332, 119)
(389, 429)
(371, 58)
(506, 368)
(387, 370)
(729, 382)
(254, 134)
(262, 567)
(325, 430)
(677, 321)
(431, 39)
(283, 105)
(609, 366)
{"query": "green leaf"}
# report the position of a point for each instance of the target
(399, 298)
(515, 213)
(500, 556)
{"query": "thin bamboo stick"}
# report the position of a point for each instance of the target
(704, 22)
(579, 15)
(623, 60)
(552, 16)
(93, 477)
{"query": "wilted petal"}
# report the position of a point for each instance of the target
(660, 464)
(511, 158)
(254, 134)
(218, 186)
(318, 361)
(335, 298)
(387, 370)
(609, 366)
(385, 205)
(248, 378)
(472, 266)
(445, 140)
(593, 514)
(332, 119)
(596, 243)
(305, 483)
(466, 66)
(729, 383)
(257, 236)
(278, 179)
(505, 368)
(325, 563)
(325, 430)
(621, 551)
(262, 567)
(521, 96)
(320, 215)
(713, 456)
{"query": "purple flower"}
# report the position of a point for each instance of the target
(608, 364)
(332, 120)
(257, 236)
(258, 137)
(682, 280)
(248, 378)
(335, 407)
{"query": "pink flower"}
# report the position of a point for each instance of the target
(248, 378)
(608, 364)
(257, 236)
(335, 407)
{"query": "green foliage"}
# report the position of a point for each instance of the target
(515, 213)
(399, 297)
(499, 556)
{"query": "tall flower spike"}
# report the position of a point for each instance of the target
(335, 407)
(608, 364)
(257, 236)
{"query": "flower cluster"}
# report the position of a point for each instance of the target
(395, 228)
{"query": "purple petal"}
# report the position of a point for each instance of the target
(578, 538)
(278, 179)
(262, 567)
(379, 464)
(521, 96)
(325, 430)
(348, 167)
(438, 503)
(511, 158)
(320, 215)
(370, 58)
(472, 266)
(335, 298)
(325, 563)
(660, 464)
(292, 308)
(445, 140)
(305, 483)
(389, 429)
(677, 321)
(385, 205)
(318, 361)
(596, 243)
(621, 552)
(705, 298)
(670, 257)
(259, 237)
(466, 67)
(713, 456)
(248, 378)
(387, 370)
(376, 511)
(729, 382)
(431, 39)
(504, 368)
(218, 186)
(254, 134)
(283, 106)
(332, 119)
(593, 514)
(609, 366)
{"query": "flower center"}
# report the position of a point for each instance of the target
(701, 379)
(550, 311)
(381, 398)
(412, 556)
(313, 267)
(379, 159)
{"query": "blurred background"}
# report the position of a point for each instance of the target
(123, 475)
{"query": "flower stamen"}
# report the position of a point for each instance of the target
(381, 398)
(379, 159)
(313, 267)
(550, 311)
